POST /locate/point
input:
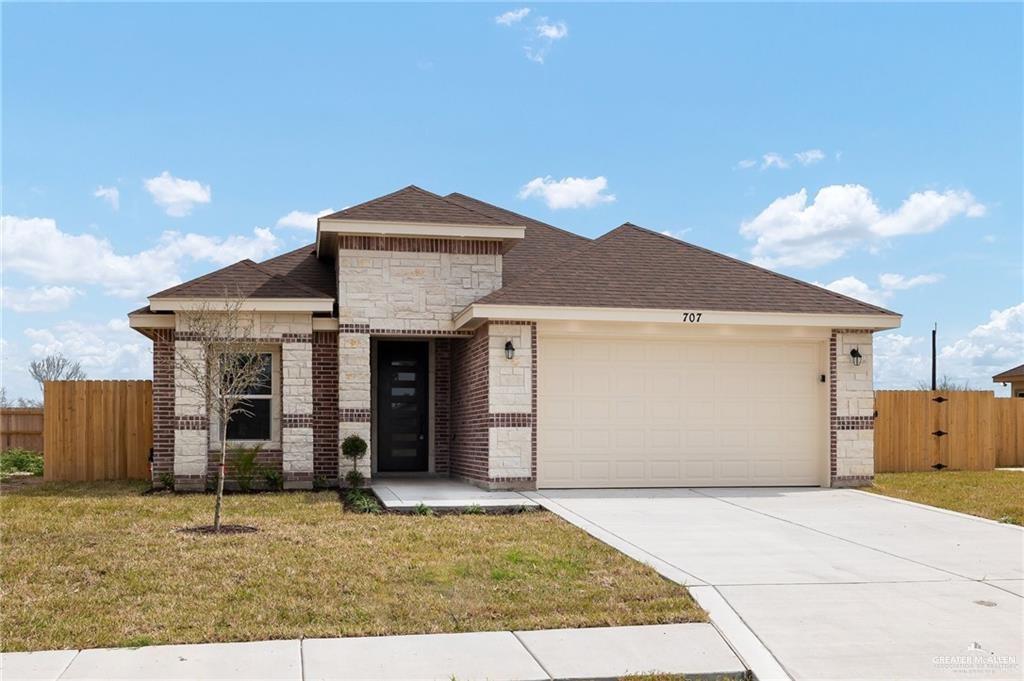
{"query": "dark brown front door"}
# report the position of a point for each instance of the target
(402, 410)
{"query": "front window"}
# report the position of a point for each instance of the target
(255, 423)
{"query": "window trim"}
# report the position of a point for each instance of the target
(275, 406)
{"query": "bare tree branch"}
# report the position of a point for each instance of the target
(55, 367)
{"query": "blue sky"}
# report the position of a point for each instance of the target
(873, 148)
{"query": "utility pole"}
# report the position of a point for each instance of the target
(935, 331)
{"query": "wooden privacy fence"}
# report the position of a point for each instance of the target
(97, 430)
(964, 430)
(22, 428)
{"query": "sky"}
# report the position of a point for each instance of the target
(875, 149)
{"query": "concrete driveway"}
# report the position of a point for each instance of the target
(834, 583)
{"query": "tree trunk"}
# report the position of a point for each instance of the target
(220, 473)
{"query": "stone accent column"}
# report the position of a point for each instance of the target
(512, 406)
(297, 410)
(852, 409)
(163, 404)
(191, 425)
(354, 392)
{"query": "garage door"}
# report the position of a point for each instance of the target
(622, 412)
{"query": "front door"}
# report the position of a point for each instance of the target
(402, 406)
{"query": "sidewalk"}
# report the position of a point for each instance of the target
(696, 650)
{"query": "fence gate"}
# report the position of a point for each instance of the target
(917, 429)
(97, 430)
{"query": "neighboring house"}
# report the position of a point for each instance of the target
(462, 339)
(1015, 377)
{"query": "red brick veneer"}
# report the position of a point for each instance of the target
(325, 404)
(419, 245)
(163, 403)
(468, 457)
(442, 404)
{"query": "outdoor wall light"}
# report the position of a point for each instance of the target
(855, 356)
(510, 350)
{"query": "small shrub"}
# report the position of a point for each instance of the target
(167, 480)
(273, 479)
(245, 465)
(354, 479)
(423, 509)
(353, 447)
(17, 460)
(474, 509)
(320, 482)
(361, 502)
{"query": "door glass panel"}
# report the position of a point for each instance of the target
(402, 452)
(402, 392)
(405, 376)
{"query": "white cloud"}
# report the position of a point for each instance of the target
(38, 299)
(513, 16)
(109, 194)
(809, 157)
(110, 350)
(789, 232)
(298, 219)
(888, 284)
(36, 247)
(569, 192)
(552, 31)
(746, 164)
(177, 196)
(903, 361)
(773, 160)
(677, 233)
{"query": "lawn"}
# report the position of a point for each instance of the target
(104, 565)
(997, 495)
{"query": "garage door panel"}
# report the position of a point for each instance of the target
(624, 412)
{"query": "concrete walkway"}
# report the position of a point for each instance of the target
(444, 494)
(696, 650)
(828, 584)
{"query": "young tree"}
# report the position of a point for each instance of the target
(219, 362)
(55, 367)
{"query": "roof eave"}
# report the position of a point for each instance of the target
(254, 304)
(477, 313)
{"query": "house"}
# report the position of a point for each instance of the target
(462, 339)
(1015, 377)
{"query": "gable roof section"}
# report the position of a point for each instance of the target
(1015, 372)
(303, 267)
(541, 245)
(244, 278)
(415, 205)
(633, 267)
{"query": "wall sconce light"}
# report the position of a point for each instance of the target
(510, 350)
(855, 356)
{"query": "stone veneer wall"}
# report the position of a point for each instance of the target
(193, 462)
(354, 392)
(325, 405)
(851, 409)
(413, 291)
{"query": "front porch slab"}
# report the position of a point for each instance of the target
(444, 494)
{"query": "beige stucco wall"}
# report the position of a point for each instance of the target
(854, 398)
(398, 290)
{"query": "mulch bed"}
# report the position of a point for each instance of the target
(224, 529)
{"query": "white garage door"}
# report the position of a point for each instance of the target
(621, 412)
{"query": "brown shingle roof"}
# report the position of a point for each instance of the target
(413, 204)
(541, 245)
(1015, 372)
(244, 278)
(302, 266)
(636, 268)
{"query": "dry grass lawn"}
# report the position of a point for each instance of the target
(997, 495)
(103, 565)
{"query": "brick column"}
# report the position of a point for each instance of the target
(297, 410)
(353, 391)
(163, 404)
(325, 405)
(442, 403)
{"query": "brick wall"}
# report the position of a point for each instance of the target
(163, 403)
(325, 405)
(442, 404)
(469, 407)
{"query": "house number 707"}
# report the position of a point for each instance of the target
(691, 316)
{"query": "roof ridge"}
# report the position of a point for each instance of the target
(525, 217)
(723, 256)
(363, 203)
